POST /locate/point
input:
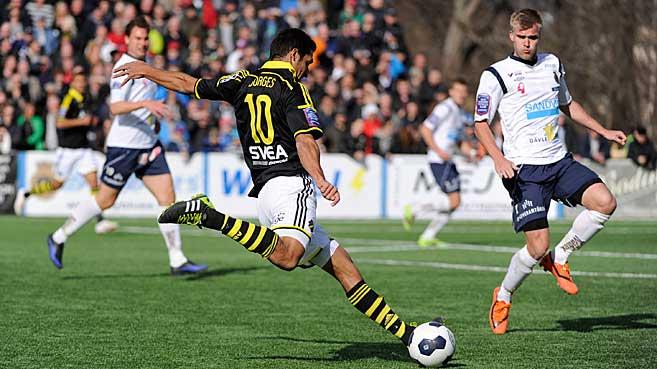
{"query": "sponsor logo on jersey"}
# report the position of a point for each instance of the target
(483, 104)
(311, 117)
(268, 155)
(521, 88)
(544, 108)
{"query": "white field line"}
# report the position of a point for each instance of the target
(647, 230)
(485, 268)
(379, 245)
(393, 246)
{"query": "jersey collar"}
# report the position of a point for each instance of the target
(278, 64)
(531, 63)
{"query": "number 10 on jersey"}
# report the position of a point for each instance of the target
(255, 109)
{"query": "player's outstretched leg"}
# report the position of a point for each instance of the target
(199, 211)
(363, 297)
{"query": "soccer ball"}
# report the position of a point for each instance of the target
(432, 344)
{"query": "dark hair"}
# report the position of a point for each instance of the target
(458, 80)
(291, 38)
(640, 129)
(140, 22)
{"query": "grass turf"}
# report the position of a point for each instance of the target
(114, 304)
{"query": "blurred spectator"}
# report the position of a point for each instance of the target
(595, 147)
(408, 140)
(32, 128)
(642, 150)
(567, 135)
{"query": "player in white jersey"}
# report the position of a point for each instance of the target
(528, 89)
(441, 131)
(132, 147)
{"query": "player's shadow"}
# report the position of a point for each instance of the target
(587, 325)
(213, 273)
(350, 351)
(623, 322)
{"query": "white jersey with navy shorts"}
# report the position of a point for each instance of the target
(446, 123)
(132, 143)
(134, 130)
(528, 96)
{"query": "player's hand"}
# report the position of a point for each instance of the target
(615, 136)
(443, 155)
(329, 192)
(132, 70)
(505, 168)
(158, 108)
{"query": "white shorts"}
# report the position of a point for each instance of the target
(82, 160)
(287, 205)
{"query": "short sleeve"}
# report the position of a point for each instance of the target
(223, 88)
(564, 94)
(300, 113)
(488, 97)
(437, 116)
(119, 93)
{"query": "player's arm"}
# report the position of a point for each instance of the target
(489, 95)
(576, 112)
(303, 121)
(309, 156)
(175, 81)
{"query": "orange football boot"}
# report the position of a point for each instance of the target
(499, 314)
(561, 272)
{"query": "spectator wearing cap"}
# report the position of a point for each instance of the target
(642, 150)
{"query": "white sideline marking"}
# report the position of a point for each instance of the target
(388, 246)
(399, 246)
(486, 268)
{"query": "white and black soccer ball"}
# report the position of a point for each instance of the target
(432, 344)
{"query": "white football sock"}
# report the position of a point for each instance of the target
(585, 226)
(520, 267)
(82, 213)
(436, 224)
(171, 234)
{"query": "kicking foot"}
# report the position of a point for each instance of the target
(187, 212)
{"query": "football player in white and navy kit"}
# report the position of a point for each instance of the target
(528, 89)
(441, 131)
(132, 147)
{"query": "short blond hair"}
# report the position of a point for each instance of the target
(525, 18)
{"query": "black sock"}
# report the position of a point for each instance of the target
(255, 238)
(370, 303)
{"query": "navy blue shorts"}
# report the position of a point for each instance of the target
(121, 162)
(447, 177)
(533, 186)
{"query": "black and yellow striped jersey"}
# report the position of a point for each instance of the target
(72, 107)
(272, 107)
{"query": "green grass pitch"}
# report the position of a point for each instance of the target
(114, 304)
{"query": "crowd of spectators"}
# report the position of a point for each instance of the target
(371, 93)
